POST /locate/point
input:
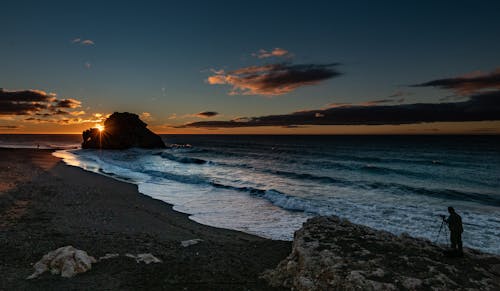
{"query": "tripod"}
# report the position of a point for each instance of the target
(440, 228)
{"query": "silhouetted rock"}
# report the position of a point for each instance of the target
(329, 253)
(122, 131)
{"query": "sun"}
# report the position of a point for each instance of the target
(100, 127)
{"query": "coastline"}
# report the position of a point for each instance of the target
(46, 204)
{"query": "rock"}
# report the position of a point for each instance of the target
(66, 261)
(122, 131)
(145, 258)
(190, 242)
(333, 254)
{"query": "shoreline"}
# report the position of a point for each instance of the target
(46, 204)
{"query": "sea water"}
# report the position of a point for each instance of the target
(269, 185)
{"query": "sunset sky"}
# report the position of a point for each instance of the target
(305, 67)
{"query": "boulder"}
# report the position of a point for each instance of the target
(66, 261)
(330, 253)
(121, 131)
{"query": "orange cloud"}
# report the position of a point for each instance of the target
(146, 116)
(272, 79)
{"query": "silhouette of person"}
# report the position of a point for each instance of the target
(455, 225)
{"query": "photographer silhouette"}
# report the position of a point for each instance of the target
(454, 222)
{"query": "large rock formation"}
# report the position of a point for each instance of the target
(122, 131)
(333, 254)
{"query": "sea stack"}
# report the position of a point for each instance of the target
(122, 130)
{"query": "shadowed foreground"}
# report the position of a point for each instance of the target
(45, 204)
(333, 254)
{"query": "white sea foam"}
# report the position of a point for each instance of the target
(272, 197)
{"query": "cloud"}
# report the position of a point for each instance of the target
(77, 113)
(381, 101)
(366, 103)
(206, 114)
(64, 121)
(69, 103)
(146, 116)
(172, 116)
(87, 65)
(24, 102)
(479, 107)
(241, 119)
(272, 79)
(276, 52)
(468, 84)
(11, 127)
(86, 42)
(399, 93)
(38, 104)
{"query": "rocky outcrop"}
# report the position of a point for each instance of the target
(333, 254)
(122, 131)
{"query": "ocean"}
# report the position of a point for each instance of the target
(269, 185)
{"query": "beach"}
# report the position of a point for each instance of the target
(46, 204)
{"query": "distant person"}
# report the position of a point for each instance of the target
(38, 146)
(454, 222)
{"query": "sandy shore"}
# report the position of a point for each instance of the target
(45, 204)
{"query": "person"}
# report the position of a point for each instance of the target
(454, 222)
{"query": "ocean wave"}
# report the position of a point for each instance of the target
(277, 198)
(187, 179)
(181, 159)
(282, 154)
(387, 171)
(491, 199)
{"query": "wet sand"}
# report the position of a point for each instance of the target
(45, 204)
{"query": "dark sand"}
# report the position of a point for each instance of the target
(45, 204)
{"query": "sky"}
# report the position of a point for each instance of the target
(270, 67)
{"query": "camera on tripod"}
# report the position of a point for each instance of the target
(443, 223)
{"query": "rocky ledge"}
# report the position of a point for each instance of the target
(333, 254)
(122, 131)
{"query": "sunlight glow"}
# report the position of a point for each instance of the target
(100, 127)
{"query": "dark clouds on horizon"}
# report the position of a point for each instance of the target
(482, 105)
(206, 114)
(465, 85)
(479, 107)
(273, 79)
(34, 102)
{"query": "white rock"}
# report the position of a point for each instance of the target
(66, 261)
(190, 242)
(146, 258)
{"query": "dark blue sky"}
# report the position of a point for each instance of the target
(156, 56)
